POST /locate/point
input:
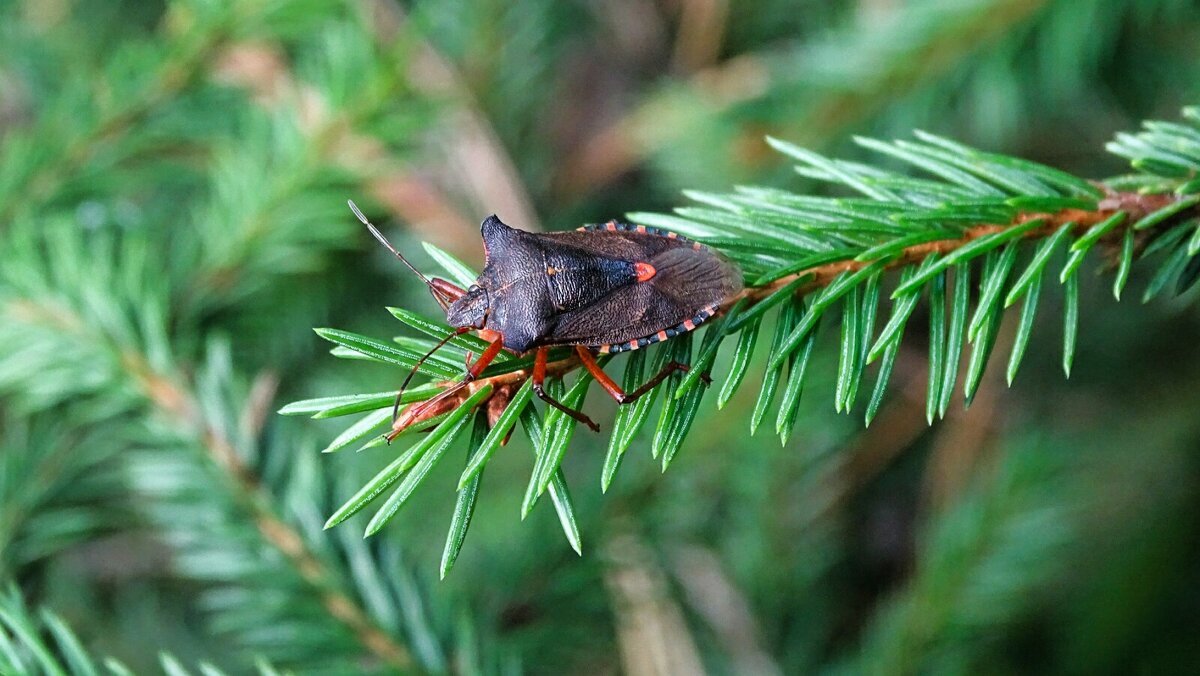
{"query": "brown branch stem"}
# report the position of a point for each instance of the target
(1135, 205)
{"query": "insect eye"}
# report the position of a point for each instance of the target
(474, 288)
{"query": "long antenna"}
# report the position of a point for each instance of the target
(417, 366)
(383, 240)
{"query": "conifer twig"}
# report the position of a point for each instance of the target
(809, 256)
(174, 74)
(1135, 205)
(175, 401)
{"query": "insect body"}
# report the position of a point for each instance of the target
(603, 288)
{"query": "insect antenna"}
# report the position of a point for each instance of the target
(417, 366)
(438, 295)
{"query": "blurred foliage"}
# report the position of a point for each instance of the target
(172, 186)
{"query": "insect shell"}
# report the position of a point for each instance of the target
(610, 287)
(604, 288)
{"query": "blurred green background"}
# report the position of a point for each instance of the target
(173, 178)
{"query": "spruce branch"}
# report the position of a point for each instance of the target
(1003, 552)
(41, 642)
(72, 341)
(315, 130)
(90, 133)
(97, 331)
(172, 178)
(171, 399)
(57, 489)
(807, 255)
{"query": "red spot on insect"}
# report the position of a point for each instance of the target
(672, 235)
(611, 225)
(603, 349)
(645, 271)
(641, 228)
(696, 245)
(661, 335)
(689, 325)
(633, 345)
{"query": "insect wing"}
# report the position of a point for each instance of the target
(687, 285)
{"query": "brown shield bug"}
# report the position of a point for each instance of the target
(602, 288)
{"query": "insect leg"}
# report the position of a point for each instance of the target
(539, 379)
(419, 410)
(589, 362)
(485, 358)
(658, 378)
(416, 367)
(613, 389)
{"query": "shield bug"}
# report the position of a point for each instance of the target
(603, 288)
